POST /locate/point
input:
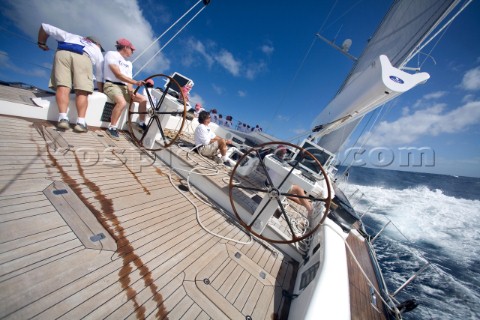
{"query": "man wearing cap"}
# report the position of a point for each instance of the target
(74, 61)
(119, 83)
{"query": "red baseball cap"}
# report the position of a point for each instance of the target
(125, 42)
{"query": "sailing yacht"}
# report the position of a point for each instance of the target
(145, 227)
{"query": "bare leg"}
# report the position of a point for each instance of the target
(62, 97)
(222, 146)
(142, 105)
(81, 100)
(120, 104)
(301, 201)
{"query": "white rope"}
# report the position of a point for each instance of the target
(197, 210)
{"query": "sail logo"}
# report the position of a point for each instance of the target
(397, 79)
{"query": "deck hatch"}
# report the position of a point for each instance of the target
(79, 217)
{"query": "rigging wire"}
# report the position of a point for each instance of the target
(297, 72)
(442, 29)
(18, 35)
(32, 63)
(24, 39)
(170, 40)
(385, 109)
(158, 38)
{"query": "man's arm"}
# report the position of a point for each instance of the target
(42, 39)
(119, 75)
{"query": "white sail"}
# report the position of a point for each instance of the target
(405, 27)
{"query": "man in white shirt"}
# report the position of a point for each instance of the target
(119, 83)
(207, 143)
(74, 61)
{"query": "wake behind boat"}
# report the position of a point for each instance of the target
(145, 227)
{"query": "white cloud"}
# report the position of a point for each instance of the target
(254, 69)
(195, 98)
(434, 95)
(107, 20)
(199, 47)
(210, 54)
(468, 98)
(431, 121)
(242, 93)
(219, 90)
(471, 80)
(267, 49)
(282, 117)
(420, 103)
(228, 61)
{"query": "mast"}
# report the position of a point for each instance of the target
(406, 26)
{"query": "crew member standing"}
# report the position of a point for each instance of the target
(73, 63)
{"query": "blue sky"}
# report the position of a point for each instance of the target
(260, 62)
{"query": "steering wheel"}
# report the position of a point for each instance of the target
(155, 112)
(271, 188)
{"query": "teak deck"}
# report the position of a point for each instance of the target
(90, 228)
(144, 256)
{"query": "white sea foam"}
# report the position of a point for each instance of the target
(425, 215)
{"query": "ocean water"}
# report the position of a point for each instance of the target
(434, 218)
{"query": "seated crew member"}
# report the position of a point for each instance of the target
(207, 143)
(295, 190)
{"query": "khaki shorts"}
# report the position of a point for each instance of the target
(210, 150)
(72, 70)
(112, 90)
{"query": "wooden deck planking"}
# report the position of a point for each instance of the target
(26, 259)
(140, 218)
(41, 242)
(150, 263)
(20, 228)
(360, 298)
(34, 239)
(106, 284)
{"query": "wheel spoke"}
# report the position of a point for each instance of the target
(273, 192)
(159, 125)
(250, 188)
(140, 112)
(156, 114)
(260, 213)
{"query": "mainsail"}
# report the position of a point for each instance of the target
(405, 28)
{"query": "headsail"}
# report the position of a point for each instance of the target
(405, 27)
